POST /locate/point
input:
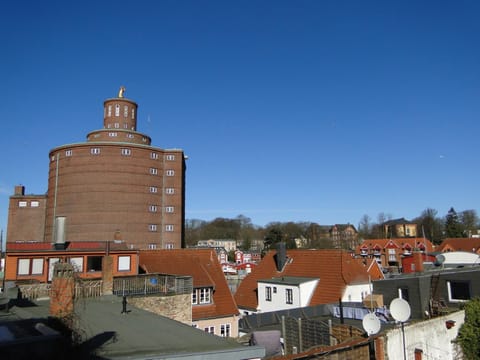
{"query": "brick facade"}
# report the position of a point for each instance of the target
(114, 185)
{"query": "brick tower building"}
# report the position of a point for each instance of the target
(114, 186)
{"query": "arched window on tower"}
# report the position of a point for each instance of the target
(117, 110)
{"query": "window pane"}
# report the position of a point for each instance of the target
(37, 267)
(94, 263)
(123, 263)
(77, 263)
(23, 267)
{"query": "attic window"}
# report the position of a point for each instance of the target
(201, 296)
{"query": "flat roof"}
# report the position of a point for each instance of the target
(139, 334)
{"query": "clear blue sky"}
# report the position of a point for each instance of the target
(316, 111)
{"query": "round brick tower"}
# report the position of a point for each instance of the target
(116, 186)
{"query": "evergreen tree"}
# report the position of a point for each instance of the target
(453, 227)
(469, 333)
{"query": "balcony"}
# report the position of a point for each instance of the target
(152, 284)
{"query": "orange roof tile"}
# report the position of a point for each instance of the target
(335, 268)
(206, 271)
(400, 242)
(460, 244)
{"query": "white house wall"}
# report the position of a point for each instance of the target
(356, 293)
(301, 296)
(430, 336)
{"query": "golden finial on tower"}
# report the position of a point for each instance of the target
(121, 91)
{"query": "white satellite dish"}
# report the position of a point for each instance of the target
(400, 310)
(371, 324)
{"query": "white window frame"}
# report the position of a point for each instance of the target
(95, 151)
(153, 171)
(204, 295)
(77, 263)
(289, 296)
(126, 152)
(109, 110)
(37, 266)
(169, 191)
(22, 204)
(34, 203)
(153, 208)
(152, 246)
(169, 209)
(455, 300)
(268, 293)
(125, 111)
(169, 228)
(152, 227)
(170, 172)
(170, 157)
(124, 263)
(68, 153)
(117, 110)
(153, 156)
(225, 330)
(210, 329)
(23, 267)
(169, 245)
(112, 134)
(153, 189)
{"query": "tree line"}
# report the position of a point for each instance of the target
(429, 224)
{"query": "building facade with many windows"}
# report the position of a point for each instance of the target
(114, 186)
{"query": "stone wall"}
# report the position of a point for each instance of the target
(176, 307)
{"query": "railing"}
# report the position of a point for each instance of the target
(34, 291)
(149, 284)
(88, 288)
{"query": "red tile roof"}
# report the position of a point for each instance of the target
(399, 242)
(335, 268)
(460, 244)
(206, 271)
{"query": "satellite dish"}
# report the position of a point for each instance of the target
(439, 260)
(371, 324)
(400, 310)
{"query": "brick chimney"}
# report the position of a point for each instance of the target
(63, 291)
(107, 275)
(19, 190)
(418, 261)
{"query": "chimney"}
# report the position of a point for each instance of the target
(19, 190)
(107, 275)
(418, 261)
(281, 256)
(63, 291)
(60, 224)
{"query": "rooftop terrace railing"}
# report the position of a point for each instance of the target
(150, 284)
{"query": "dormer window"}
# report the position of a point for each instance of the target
(202, 296)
